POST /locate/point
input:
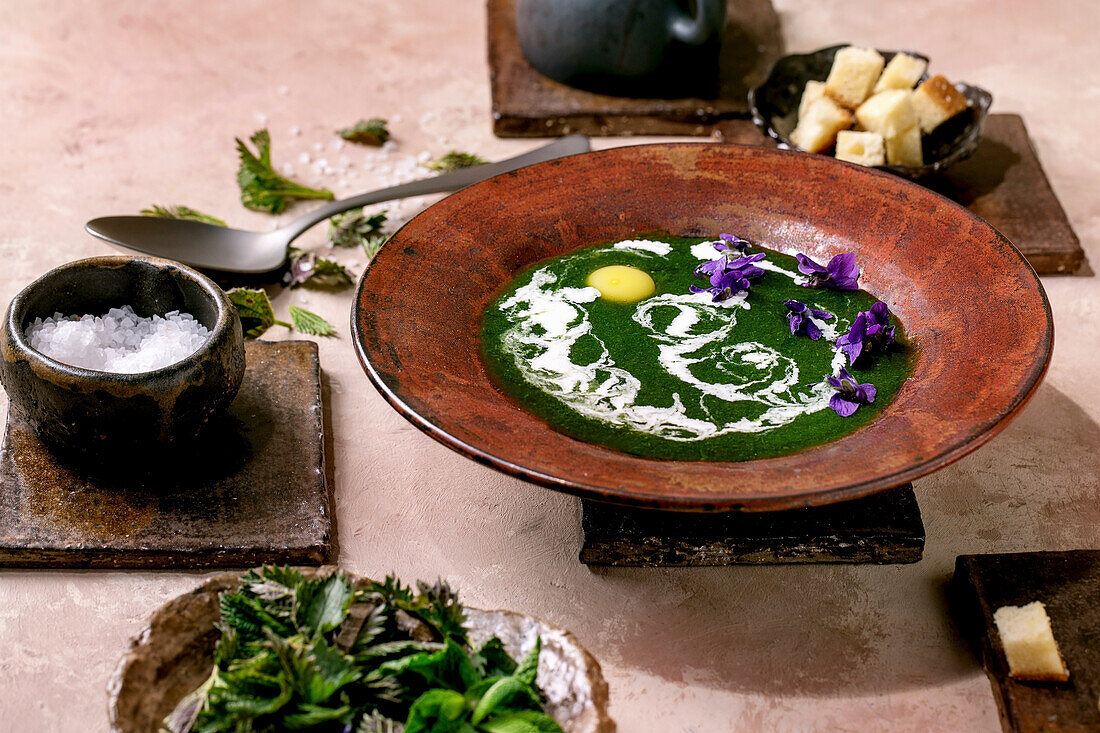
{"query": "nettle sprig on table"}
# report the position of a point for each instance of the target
(331, 654)
(264, 189)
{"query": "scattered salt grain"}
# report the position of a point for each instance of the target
(120, 341)
(282, 91)
(424, 157)
(303, 158)
(288, 170)
(318, 147)
(294, 130)
(261, 118)
(389, 146)
(337, 144)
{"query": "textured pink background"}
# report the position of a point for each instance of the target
(109, 107)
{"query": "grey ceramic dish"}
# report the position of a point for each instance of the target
(774, 106)
(95, 413)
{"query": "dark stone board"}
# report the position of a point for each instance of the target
(254, 491)
(882, 528)
(528, 104)
(1068, 583)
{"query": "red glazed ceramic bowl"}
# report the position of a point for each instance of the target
(974, 311)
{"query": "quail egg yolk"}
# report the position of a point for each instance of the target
(621, 283)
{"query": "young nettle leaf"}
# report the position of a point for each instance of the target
(520, 721)
(454, 160)
(322, 604)
(437, 711)
(373, 244)
(499, 695)
(314, 670)
(311, 323)
(305, 716)
(249, 616)
(528, 669)
(438, 606)
(244, 694)
(366, 132)
(272, 582)
(261, 187)
(353, 228)
(491, 659)
(182, 212)
(254, 308)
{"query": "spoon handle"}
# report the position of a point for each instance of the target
(452, 181)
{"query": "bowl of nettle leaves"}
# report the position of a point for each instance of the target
(319, 649)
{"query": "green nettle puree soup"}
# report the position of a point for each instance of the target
(675, 374)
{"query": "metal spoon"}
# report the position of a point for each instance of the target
(236, 250)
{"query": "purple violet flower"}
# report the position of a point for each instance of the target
(732, 245)
(870, 333)
(842, 272)
(800, 320)
(727, 276)
(850, 394)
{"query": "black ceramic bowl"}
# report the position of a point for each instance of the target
(92, 412)
(774, 106)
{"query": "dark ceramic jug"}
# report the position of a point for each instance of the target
(626, 47)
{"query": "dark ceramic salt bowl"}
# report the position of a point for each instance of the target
(95, 413)
(774, 106)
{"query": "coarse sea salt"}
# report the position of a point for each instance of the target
(120, 341)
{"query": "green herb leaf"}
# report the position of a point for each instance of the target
(254, 308)
(528, 669)
(366, 132)
(311, 323)
(322, 604)
(492, 660)
(372, 245)
(521, 721)
(455, 160)
(182, 212)
(306, 716)
(261, 187)
(501, 693)
(437, 711)
(353, 228)
(249, 616)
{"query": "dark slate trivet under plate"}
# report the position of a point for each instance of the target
(256, 494)
(882, 528)
(1068, 583)
(528, 104)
